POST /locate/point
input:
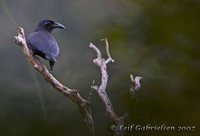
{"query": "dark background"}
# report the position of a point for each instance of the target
(156, 39)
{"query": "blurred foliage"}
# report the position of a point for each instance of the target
(156, 39)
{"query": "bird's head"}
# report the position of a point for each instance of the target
(48, 25)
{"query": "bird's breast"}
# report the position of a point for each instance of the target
(44, 42)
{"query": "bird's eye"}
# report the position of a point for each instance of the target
(47, 23)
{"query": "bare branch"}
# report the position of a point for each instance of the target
(93, 86)
(107, 51)
(132, 79)
(101, 90)
(73, 94)
(96, 61)
(136, 84)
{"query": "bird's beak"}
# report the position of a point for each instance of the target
(58, 25)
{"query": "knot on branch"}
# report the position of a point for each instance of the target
(97, 62)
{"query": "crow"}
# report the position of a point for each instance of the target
(43, 43)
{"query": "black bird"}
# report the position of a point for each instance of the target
(43, 43)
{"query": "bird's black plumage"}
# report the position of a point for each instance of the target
(43, 43)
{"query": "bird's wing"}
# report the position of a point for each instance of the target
(43, 42)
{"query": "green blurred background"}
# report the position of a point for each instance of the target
(156, 39)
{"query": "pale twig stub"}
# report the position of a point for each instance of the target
(136, 84)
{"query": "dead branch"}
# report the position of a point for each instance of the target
(73, 94)
(101, 89)
(136, 84)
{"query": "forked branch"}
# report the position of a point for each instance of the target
(101, 89)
